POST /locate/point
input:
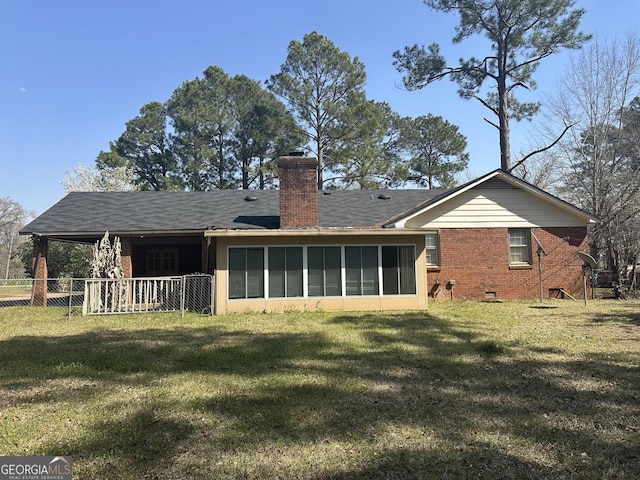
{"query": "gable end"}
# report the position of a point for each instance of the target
(496, 200)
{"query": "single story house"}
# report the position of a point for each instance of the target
(300, 248)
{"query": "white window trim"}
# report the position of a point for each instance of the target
(527, 245)
(437, 248)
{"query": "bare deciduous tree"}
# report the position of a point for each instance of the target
(12, 218)
(598, 98)
(90, 179)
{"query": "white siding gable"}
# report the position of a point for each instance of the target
(496, 203)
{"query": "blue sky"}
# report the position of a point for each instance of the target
(73, 72)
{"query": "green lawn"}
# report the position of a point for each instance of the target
(467, 390)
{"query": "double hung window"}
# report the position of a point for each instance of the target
(519, 246)
(432, 248)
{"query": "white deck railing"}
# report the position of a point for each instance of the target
(130, 295)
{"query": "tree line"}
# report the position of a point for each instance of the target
(221, 131)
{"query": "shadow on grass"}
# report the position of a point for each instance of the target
(457, 402)
(626, 316)
(129, 446)
(480, 461)
(114, 355)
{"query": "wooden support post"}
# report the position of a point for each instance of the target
(208, 255)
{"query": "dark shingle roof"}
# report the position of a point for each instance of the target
(367, 208)
(92, 213)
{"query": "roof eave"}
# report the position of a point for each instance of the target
(119, 233)
(311, 232)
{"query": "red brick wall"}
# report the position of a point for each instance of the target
(40, 271)
(478, 260)
(298, 192)
(125, 257)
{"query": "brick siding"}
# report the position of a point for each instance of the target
(40, 271)
(126, 257)
(298, 192)
(477, 259)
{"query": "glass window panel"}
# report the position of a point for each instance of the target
(520, 246)
(398, 270)
(237, 270)
(294, 271)
(353, 269)
(390, 284)
(285, 272)
(324, 271)
(432, 247)
(277, 266)
(333, 271)
(519, 255)
(315, 275)
(406, 262)
(370, 270)
(255, 272)
(162, 262)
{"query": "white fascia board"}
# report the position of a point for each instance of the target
(311, 232)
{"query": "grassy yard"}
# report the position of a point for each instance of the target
(466, 390)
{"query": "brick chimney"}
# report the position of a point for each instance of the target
(298, 191)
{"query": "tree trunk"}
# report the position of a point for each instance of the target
(320, 164)
(617, 265)
(221, 161)
(245, 174)
(261, 174)
(503, 108)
